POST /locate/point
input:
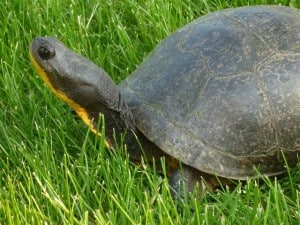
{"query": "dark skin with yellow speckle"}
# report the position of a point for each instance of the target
(219, 97)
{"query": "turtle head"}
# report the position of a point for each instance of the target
(83, 85)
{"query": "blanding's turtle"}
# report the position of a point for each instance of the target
(220, 95)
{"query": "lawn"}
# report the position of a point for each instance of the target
(54, 171)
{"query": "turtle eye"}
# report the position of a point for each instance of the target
(46, 51)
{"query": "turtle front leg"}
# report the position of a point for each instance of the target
(185, 179)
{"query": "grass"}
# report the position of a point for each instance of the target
(53, 171)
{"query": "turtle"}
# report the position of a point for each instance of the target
(220, 97)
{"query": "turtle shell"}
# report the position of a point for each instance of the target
(222, 94)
